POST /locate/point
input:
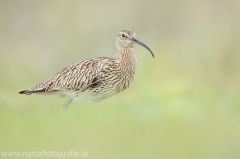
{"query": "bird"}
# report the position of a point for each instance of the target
(95, 79)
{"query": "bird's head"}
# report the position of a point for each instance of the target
(126, 38)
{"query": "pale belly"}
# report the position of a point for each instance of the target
(101, 91)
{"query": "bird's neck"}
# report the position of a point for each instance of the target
(127, 62)
(125, 53)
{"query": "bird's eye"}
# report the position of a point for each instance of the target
(123, 35)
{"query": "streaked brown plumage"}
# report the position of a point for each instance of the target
(95, 79)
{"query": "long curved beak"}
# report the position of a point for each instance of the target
(141, 43)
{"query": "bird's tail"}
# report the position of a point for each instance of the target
(27, 92)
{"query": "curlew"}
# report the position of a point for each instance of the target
(95, 79)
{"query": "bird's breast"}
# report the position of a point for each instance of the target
(126, 77)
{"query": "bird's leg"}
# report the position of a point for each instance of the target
(98, 103)
(66, 104)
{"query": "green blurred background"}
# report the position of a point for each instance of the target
(183, 104)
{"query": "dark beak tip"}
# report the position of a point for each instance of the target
(144, 45)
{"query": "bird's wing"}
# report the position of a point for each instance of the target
(77, 76)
